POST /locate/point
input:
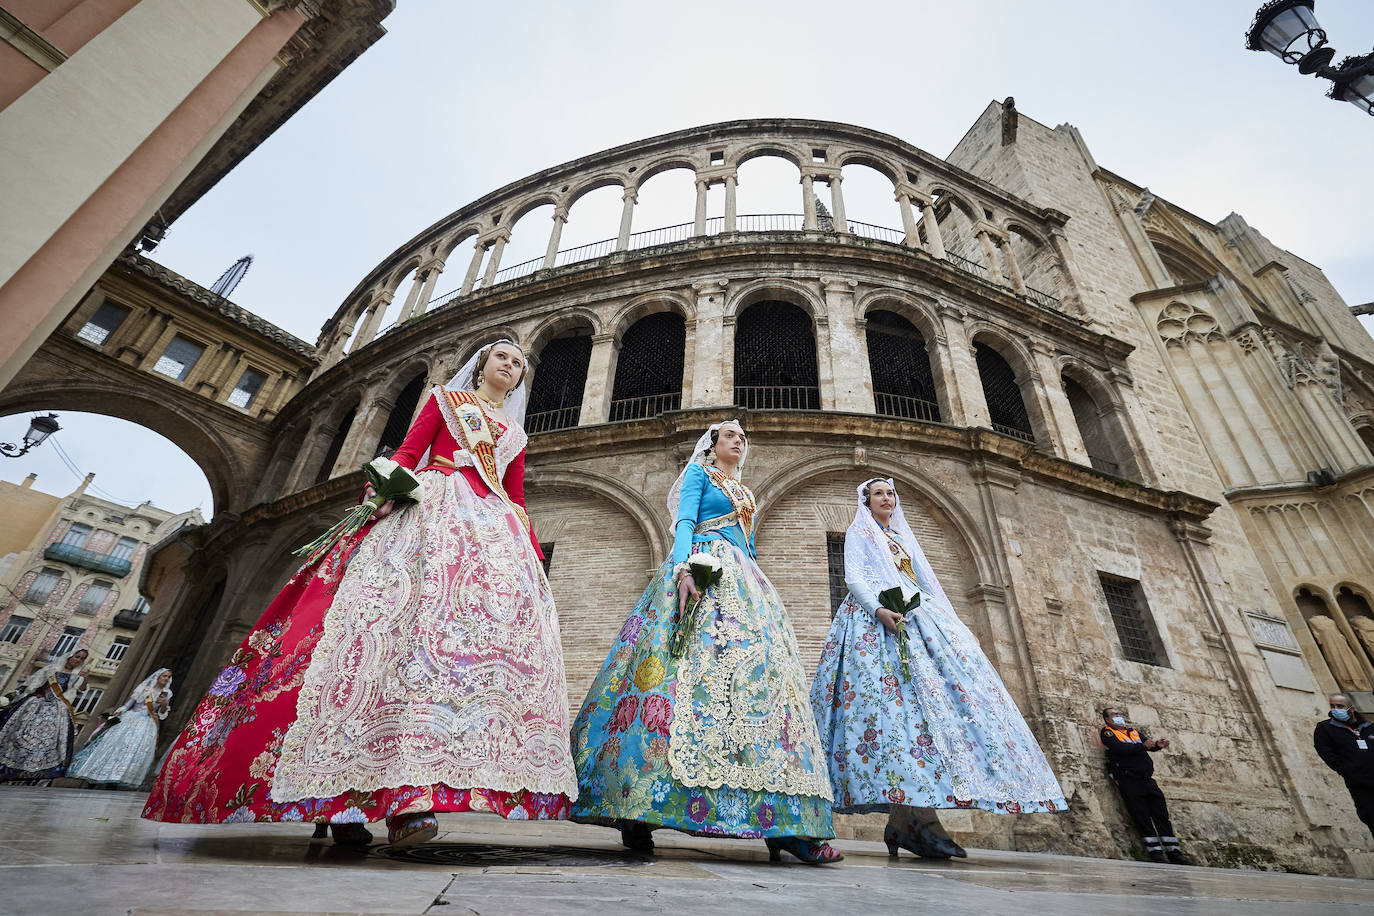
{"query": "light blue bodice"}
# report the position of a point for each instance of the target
(702, 500)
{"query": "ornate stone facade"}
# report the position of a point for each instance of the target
(1131, 447)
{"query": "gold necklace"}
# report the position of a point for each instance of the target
(494, 405)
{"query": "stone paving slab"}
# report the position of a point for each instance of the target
(69, 851)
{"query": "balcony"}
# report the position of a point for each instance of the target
(129, 619)
(104, 667)
(88, 559)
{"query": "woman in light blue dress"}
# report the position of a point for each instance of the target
(940, 731)
(120, 755)
(717, 739)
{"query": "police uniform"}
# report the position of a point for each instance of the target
(1130, 766)
(1348, 748)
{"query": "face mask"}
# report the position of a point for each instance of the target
(1118, 720)
(1340, 715)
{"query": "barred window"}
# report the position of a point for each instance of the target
(118, 648)
(775, 358)
(1006, 408)
(179, 358)
(14, 628)
(1134, 624)
(559, 380)
(398, 421)
(66, 643)
(103, 323)
(648, 371)
(77, 535)
(88, 699)
(250, 383)
(95, 596)
(42, 586)
(834, 558)
(903, 385)
(336, 444)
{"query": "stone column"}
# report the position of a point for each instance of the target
(837, 204)
(373, 410)
(851, 377)
(990, 257)
(1018, 282)
(560, 217)
(154, 323)
(413, 296)
(494, 262)
(596, 395)
(627, 215)
(375, 311)
(700, 226)
(1069, 296)
(712, 349)
(968, 406)
(730, 181)
(432, 273)
(478, 250)
(935, 242)
(912, 238)
(1065, 439)
(213, 369)
(809, 221)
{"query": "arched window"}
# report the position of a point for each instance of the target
(902, 382)
(1352, 603)
(1310, 604)
(648, 372)
(336, 444)
(398, 421)
(1366, 434)
(561, 376)
(1006, 408)
(1097, 442)
(775, 359)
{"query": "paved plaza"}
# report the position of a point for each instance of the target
(69, 851)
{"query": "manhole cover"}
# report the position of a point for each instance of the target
(486, 855)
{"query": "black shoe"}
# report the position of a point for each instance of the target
(637, 836)
(1178, 857)
(1156, 855)
(321, 831)
(351, 835)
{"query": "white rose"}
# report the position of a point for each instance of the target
(705, 560)
(383, 466)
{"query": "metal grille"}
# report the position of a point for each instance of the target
(902, 382)
(250, 383)
(331, 454)
(398, 421)
(648, 372)
(179, 358)
(834, 558)
(556, 401)
(1138, 643)
(775, 359)
(103, 323)
(1006, 409)
(1096, 442)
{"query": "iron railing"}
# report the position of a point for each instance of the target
(778, 397)
(667, 235)
(585, 252)
(516, 271)
(130, 619)
(900, 405)
(881, 233)
(648, 406)
(1015, 433)
(549, 420)
(88, 559)
(1045, 299)
(770, 222)
(967, 266)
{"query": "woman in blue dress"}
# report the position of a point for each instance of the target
(717, 739)
(939, 732)
(121, 755)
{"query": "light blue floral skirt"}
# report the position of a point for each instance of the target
(950, 737)
(122, 754)
(624, 733)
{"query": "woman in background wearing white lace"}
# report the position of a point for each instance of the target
(939, 731)
(415, 668)
(121, 754)
(36, 731)
(718, 740)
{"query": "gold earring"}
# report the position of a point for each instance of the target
(480, 379)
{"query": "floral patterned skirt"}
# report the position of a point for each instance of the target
(121, 754)
(657, 740)
(221, 768)
(36, 738)
(950, 737)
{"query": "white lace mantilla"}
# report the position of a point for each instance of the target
(440, 661)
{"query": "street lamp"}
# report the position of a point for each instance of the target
(1289, 30)
(40, 428)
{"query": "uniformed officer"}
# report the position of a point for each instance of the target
(1345, 742)
(1130, 766)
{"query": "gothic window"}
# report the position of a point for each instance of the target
(834, 557)
(103, 323)
(398, 421)
(66, 643)
(336, 444)
(1352, 603)
(775, 359)
(902, 382)
(1006, 408)
(1366, 434)
(95, 596)
(1135, 626)
(42, 586)
(561, 377)
(648, 372)
(1096, 441)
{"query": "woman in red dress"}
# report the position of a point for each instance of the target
(415, 668)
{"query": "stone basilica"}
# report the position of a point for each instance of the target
(1136, 445)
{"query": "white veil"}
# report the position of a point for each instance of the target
(867, 557)
(147, 690)
(515, 400)
(699, 457)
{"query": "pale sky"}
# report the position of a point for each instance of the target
(457, 100)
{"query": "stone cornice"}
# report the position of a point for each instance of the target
(1345, 485)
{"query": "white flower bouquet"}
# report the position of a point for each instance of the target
(706, 572)
(390, 480)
